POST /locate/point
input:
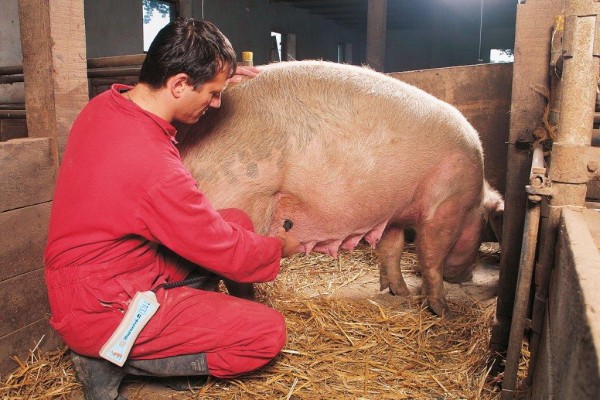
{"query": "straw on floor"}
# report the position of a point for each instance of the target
(339, 347)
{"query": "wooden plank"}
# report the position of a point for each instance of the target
(24, 300)
(376, 34)
(54, 65)
(23, 234)
(21, 342)
(569, 364)
(28, 173)
(483, 94)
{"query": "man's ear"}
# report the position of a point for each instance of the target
(177, 84)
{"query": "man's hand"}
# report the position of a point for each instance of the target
(289, 243)
(244, 72)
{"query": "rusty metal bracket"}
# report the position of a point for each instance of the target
(536, 194)
(526, 137)
(569, 35)
(539, 185)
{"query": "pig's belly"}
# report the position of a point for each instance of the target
(328, 223)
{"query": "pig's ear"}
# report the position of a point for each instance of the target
(493, 205)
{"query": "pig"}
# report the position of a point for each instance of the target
(349, 154)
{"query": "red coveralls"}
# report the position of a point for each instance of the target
(122, 194)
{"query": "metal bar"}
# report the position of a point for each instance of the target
(107, 72)
(11, 70)
(12, 114)
(14, 73)
(517, 329)
(116, 61)
(11, 78)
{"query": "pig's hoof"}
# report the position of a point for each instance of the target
(397, 289)
(384, 283)
(438, 306)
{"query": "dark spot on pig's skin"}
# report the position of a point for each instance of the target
(244, 156)
(252, 170)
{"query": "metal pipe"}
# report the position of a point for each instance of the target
(12, 106)
(517, 328)
(12, 114)
(11, 70)
(100, 62)
(128, 65)
(109, 72)
(92, 73)
(116, 61)
(11, 78)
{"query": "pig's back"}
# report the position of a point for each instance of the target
(328, 101)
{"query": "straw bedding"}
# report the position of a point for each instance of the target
(341, 345)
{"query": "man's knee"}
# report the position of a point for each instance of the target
(237, 216)
(278, 336)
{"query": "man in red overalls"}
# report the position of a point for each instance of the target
(128, 217)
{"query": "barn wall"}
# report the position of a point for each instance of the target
(452, 33)
(10, 49)
(26, 186)
(568, 367)
(247, 24)
(115, 33)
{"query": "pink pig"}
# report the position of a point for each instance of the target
(347, 154)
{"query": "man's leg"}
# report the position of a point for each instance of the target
(193, 333)
(236, 335)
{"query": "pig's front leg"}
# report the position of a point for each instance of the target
(389, 253)
(435, 238)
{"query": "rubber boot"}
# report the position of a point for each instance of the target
(100, 378)
(188, 365)
(181, 373)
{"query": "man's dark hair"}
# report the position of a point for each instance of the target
(191, 46)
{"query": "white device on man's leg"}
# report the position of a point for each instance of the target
(142, 307)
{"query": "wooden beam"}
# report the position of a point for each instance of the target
(376, 34)
(531, 70)
(27, 175)
(54, 65)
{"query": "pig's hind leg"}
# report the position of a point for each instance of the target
(435, 238)
(389, 253)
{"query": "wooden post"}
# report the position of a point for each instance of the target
(376, 33)
(535, 20)
(54, 65)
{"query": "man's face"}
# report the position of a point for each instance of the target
(194, 103)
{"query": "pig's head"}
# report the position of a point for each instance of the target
(462, 259)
